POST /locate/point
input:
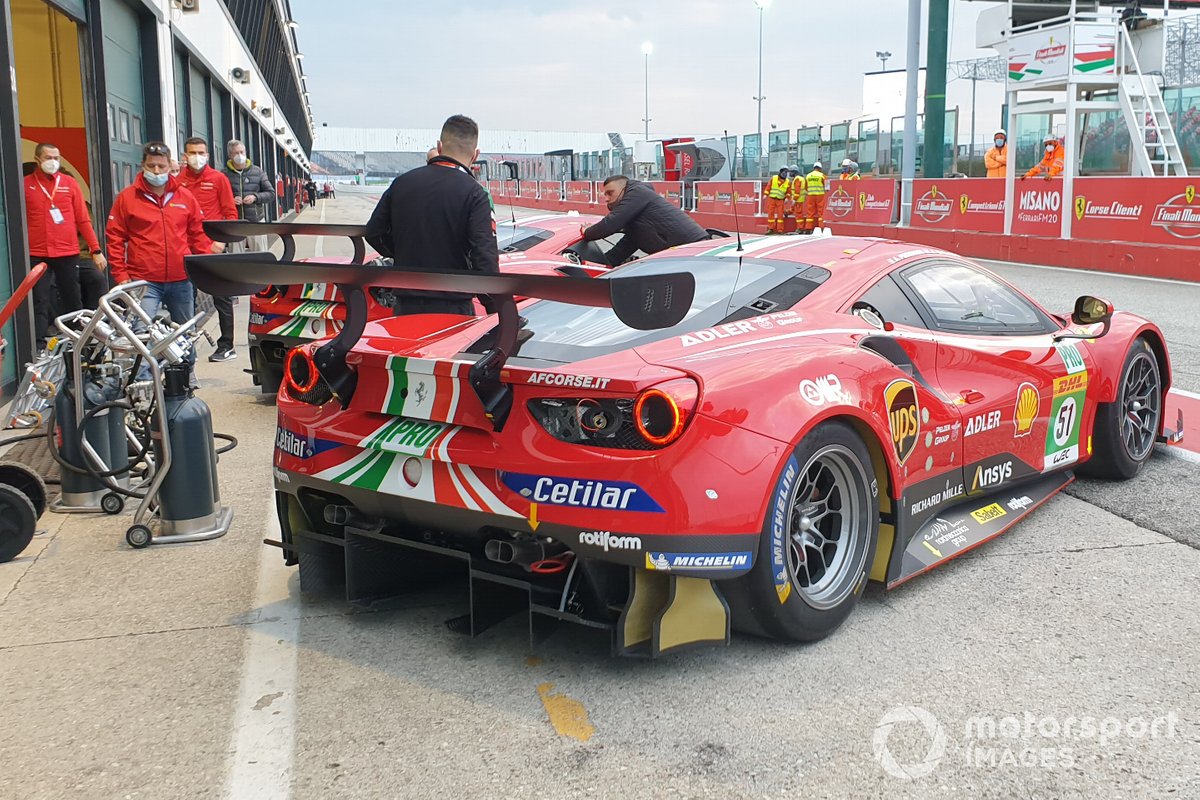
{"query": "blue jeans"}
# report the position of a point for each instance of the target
(180, 300)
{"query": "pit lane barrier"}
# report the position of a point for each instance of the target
(1148, 227)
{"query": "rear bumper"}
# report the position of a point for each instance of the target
(710, 556)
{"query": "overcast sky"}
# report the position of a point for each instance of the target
(576, 64)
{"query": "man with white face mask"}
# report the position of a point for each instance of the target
(1052, 161)
(153, 224)
(253, 194)
(56, 217)
(215, 196)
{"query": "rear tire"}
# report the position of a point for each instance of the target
(818, 541)
(1126, 429)
(18, 522)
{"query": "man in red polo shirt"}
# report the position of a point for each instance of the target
(153, 224)
(215, 195)
(56, 217)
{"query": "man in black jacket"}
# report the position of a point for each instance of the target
(438, 217)
(649, 221)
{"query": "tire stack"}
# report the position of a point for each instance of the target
(22, 503)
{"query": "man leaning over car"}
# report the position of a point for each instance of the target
(650, 222)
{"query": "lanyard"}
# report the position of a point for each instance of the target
(49, 195)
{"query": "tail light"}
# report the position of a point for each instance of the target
(302, 379)
(652, 420)
(660, 413)
(268, 292)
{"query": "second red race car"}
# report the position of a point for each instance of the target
(716, 436)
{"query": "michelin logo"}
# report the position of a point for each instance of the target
(606, 540)
(666, 562)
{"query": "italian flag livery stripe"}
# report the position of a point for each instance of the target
(423, 389)
(318, 291)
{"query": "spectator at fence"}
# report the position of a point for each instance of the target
(56, 217)
(1052, 162)
(996, 159)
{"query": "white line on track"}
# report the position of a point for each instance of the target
(319, 247)
(1078, 270)
(1184, 393)
(264, 725)
(1178, 452)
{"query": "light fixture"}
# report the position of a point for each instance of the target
(299, 56)
(291, 23)
(762, 3)
(647, 48)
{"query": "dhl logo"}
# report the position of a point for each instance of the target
(1070, 383)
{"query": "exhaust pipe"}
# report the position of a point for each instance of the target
(521, 552)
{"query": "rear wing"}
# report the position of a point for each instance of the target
(230, 231)
(644, 302)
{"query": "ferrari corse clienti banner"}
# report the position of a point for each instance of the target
(1154, 210)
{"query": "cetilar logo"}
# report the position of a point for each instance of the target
(900, 718)
(581, 493)
(292, 444)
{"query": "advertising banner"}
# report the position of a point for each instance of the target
(1151, 210)
(716, 197)
(1095, 49)
(528, 190)
(975, 204)
(1039, 55)
(579, 191)
(501, 189)
(870, 200)
(1039, 207)
(550, 190)
(671, 190)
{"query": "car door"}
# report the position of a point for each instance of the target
(928, 443)
(1020, 393)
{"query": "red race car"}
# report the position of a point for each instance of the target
(284, 316)
(717, 435)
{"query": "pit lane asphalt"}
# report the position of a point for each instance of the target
(126, 673)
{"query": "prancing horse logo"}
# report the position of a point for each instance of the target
(1080, 206)
(964, 203)
(420, 392)
(1189, 193)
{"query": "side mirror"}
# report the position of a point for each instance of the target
(1091, 310)
(1088, 311)
(870, 315)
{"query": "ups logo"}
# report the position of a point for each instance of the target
(1080, 206)
(904, 416)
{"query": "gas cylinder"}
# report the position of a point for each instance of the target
(188, 493)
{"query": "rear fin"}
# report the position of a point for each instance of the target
(644, 302)
(230, 231)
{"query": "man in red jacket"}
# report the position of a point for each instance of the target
(215, 195)
(153, 224)
(56, 217)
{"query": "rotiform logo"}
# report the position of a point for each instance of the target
(606, 540)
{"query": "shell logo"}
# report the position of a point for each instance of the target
(1026, 411)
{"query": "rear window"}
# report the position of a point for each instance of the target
(515, 238)
(725, 289)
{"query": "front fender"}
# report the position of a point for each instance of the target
(1109, 351)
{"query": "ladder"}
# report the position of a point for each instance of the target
(1153, 147)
